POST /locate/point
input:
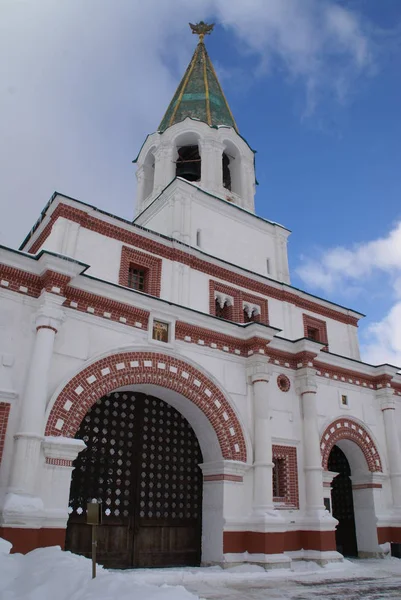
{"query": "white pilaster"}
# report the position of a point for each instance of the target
(388, 406)
(259, 373)
(22, 500)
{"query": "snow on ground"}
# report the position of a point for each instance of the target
(50, 574)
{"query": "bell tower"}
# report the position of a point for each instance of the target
(198, 140)
(196, 176)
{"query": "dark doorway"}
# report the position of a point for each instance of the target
(141, 462)
(342, 503)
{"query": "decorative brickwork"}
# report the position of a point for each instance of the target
(17, 280)
(148, 244)
(152, 264)
(106, 308)
(239, 296)
(28, 284)
(348, 429)
(288, 473)
(4, 413)
(317, 326)
(223, 477)
(219, 341)
(58, 462)
(283, 383)
(132, 368)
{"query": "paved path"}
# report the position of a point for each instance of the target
(293, 590)
(351, 580)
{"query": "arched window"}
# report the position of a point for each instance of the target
(223, 312)
(188, 163)
(251, 314)
(226, 172)
(149, 175)
(232, 169)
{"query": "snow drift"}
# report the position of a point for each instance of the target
(51, 574)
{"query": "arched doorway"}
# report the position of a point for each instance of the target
(142, 462)
(342, 503)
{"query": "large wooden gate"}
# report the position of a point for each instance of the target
(342, 502)
(141, 462)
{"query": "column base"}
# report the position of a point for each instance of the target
(25, 539)
(320, 557)
(22, 510)
(267, 561)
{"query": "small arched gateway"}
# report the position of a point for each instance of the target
(352, 478)
(150, 422)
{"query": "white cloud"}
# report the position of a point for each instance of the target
(83, 81)
(359, 267)
(382, 340)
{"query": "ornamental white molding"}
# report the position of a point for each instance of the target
(223, 299)
(305, 381)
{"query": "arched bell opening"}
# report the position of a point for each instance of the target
(142, 463)
(188, 163)
(149, 175)
(231, 168)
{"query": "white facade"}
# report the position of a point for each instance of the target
(255, 393)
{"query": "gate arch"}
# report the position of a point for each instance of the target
(124, 368)
(345, 428)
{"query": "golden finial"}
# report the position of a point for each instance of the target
(201, 29)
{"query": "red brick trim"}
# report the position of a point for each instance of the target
(153, 265)
(24, 540)
(321, 327)
(130, 368)
(348, 429)
(389, 534)
(223, 477)
(58, 462)
(106, 308)
(323, 541)
(135, 239)
(239, 296)
(283, 383)
(261, 302)
(124, 313)
(46, 327)
(254, 542)
(219, 341)
(290, 484)
(4, 414)
(367, 486)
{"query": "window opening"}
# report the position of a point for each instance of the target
(137, 278)
(250, 318)
(198, 237)
(188, 164)
(279, 478)
(223, 312)
(268, 266)
(344, 400)
(313, 334)
(226, 172)
(160, 331)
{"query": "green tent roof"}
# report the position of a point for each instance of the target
(199, 95)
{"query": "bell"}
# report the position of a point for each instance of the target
(188, 170)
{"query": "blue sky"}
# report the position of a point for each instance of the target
(315, 87)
